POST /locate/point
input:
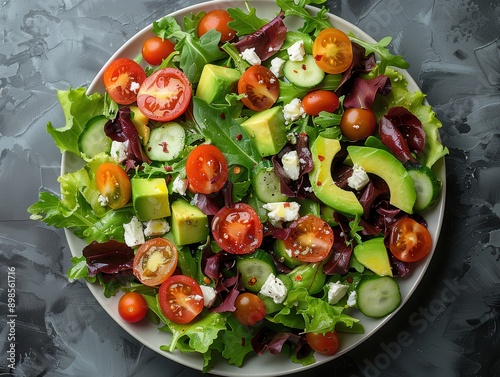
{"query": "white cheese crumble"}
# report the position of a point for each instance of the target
(134, 86)
(119, 151)
(291, 164)
(277, 66)
(358, 179)
(351, 300)
(293, 110)
(282, 211)
(103, 201)
(156, 227)
(209, 295)
(180, 185)
(296, 52)
(274, 288)
(251, 56)
(336, 291)
(134, 235)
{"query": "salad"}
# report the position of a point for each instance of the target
(249, 188)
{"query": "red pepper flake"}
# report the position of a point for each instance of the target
(321, 158)
(239, 137)
(318, 183)
(223, 116)
(298, 278)
(303, 134)
(304, 67)
(168, 168)
(164, 146)
(295, 71)
(349, 280)
(318, 57)
(286, 205)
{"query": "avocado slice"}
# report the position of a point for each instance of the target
(215, 82)
(373, 255)
(150, 198)
(189, 223)
(391, 170)
(323, 151)
(267, 130)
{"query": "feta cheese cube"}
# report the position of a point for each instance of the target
(282, 211)
(119, 151)
(134, 235)
(291, 164)
(352, 299)
(336, 291)
(180, 185)
(296, 52)
(156, 227)
(358, 179)
(293, 110)
(103, 201)
(277, 66)
(274, 288)
(209, 295)
(251, 56)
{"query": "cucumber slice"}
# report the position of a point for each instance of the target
(282, 256)
(266, 186)
(255, 268)
(305, 73)
(166, 142)
(93, 140)
(427, 185)
(378, 296)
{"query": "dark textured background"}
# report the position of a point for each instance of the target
(450, 326)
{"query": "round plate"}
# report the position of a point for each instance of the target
(266, 365)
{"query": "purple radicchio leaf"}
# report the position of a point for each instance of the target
(339, 261)
(360, 64)
(110, 257)
(363, 91)
(267, 40)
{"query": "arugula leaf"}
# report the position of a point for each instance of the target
(312, 23)
(237, 341)
(245, 23)
(78, 269)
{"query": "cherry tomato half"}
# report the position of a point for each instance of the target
(358, 124)
(320, 100)
(122, 79)
(155, 261)
(206, 169)
(217, 19)
(250, 309)
(155, 49)
(332, 50)
(164, 95)
(310, 239)
(181, 298)
(260, 86)
(132, 307)
(237, 229)
(327, 344)
(409, 241)
(114, 184)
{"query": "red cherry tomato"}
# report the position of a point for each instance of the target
(122, 79)
(320, 100)
(332, 50)
(164, 95)
(310, 239)
(155, 261)
(358, 124)
(237, 229)
(409, 241)
(114, 184)
(206, 169)
(155, 49)
(132, 307)
(250, 309)
(181, 298)
(217, 19)
(327, 344)
(260, 86)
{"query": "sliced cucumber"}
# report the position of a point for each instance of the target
(166, 142)
(305, 73)
(427, 185)
(93, 140)
(282, 256)
(255, 268)
(378, 296)
(266, 186)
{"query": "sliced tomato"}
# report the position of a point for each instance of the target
(122, 79)
(327, 344)
(132, 307)
(164, 95)
(409, 241)
(217, 19)
(237, 229)
(155, 261)
(332, 50)
(155, 49)
(113, 184)
(310, 239)
(181, 298)
(250, 309)
(260, 87)
(206, 169)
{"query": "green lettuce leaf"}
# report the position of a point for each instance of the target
(237, 341)
(245, 23)
(312, 23)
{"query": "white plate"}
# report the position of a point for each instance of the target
(266, 365)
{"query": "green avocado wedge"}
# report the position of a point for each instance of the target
(323, 151)
(391, 170)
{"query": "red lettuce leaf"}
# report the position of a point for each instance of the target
(111, 257)
(363, 91)
(360, 64)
